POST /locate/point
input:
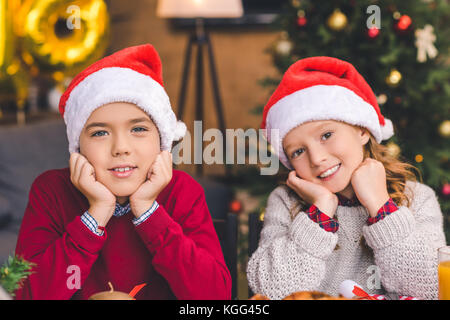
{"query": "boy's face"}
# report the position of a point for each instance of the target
(315, 147)
(117, 135)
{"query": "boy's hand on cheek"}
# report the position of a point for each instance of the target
(313, 193)
(158, 178)
(101, 200)
(369, 184)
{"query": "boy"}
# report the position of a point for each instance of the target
(119, 213)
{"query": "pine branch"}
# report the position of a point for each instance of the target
(13, 272)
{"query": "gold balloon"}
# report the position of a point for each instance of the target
(444, 129)
(337, 20)
(394, 78)
(7, 41)
(14, 81)
(64, 35)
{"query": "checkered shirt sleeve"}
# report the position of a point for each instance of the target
(324, 221)
(384, 211)
(92, 225)
(146, 214)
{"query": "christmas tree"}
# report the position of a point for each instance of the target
(402, 49)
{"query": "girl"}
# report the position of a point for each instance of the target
(348, 210)
(119, 213)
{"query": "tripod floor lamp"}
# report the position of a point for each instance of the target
(199, 10)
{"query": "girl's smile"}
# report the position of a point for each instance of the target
(330, 173)
(326, 153)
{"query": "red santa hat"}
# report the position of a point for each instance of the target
(322, 88)
(132, 75)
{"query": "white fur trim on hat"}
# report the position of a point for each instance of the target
(117, 84)
(322, 102)
(387, 130)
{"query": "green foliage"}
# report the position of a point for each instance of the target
(13, 272)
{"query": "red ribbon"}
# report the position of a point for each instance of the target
(136, 289)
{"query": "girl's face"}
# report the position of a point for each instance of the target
(315, 147)
(120, 135)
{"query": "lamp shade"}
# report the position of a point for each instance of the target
(199, 8)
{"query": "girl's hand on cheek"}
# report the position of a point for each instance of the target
(101, 200)
(158, 178)
(369, 184)
(313, 193)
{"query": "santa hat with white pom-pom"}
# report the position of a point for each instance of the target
(132, 75)
(322, 88)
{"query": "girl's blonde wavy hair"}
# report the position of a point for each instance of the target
(398, 172)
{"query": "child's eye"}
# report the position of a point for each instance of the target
(327, 135)
(98, 133)
(139, 129)
(296, 153)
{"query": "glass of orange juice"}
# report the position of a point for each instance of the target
(444, 273)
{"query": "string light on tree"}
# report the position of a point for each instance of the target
(446, 189)
(398, 100)
(373, 32)
(418, 158)
(261, 215)
(235, 206)
(403, 23)
(394, 78)
(393, 149)
(337, 20)
(301, 19)
(284, 47)
(381, 99)
(295, 3)
(444, 129)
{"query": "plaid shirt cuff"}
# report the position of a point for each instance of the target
(92, 225)
(384, 211)
(324, 221)
(146, 214)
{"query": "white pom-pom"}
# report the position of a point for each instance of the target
(387, 130)
(346, 288)
(180, 130)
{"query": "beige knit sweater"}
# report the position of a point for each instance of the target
(400, 255)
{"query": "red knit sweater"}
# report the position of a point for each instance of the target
(175, 251)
